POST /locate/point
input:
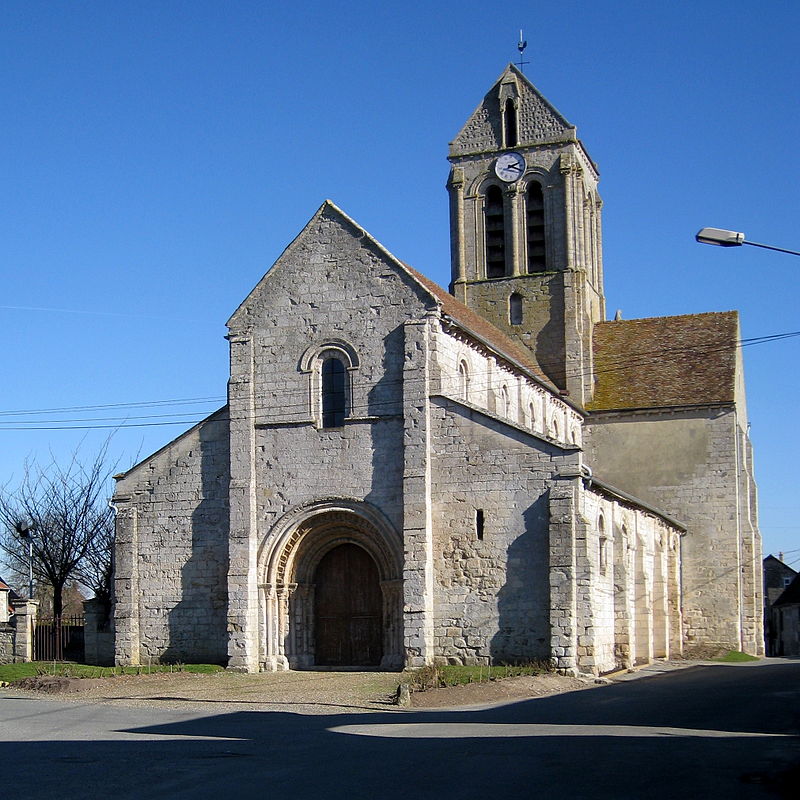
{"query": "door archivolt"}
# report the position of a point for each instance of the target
(317, 549)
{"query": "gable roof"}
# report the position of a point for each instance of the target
(791, 594)
(537, 119)
(661, 362)
(458, 313)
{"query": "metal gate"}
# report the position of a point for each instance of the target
(48, 645)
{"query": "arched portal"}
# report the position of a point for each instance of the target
(331, 589)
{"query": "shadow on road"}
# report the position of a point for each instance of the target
(703, 732)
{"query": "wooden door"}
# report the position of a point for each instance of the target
(347, 608)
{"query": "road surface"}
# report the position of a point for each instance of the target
(727, 731)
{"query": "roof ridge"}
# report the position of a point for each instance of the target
(671, 316)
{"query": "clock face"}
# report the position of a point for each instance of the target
(509, 167)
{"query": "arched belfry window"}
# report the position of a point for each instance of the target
(334, 392)
(534, 211)
(515, 309)
(495, 233)
(510, 123)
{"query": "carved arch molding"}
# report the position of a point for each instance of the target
(288, 560)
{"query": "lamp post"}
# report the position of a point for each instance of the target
(25, 531)
(723, 238)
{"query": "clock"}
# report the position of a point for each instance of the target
(509, 167)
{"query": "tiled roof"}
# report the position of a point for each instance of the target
(476, 324)
(791, 594)
(665, 361)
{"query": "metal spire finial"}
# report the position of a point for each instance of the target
(521, 45)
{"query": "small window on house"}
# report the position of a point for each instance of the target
(786, 582)
(495, 233)
(515, 309)
(334, 393)
(534, 211)
(510, 123)
(479, 523)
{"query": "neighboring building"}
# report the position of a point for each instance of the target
(786, 620)
(403, 475)
(777, 578)
(7, 594)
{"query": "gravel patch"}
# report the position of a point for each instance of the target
(301, 692)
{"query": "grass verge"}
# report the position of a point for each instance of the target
(736, 657)
(14, 672)
(438, 676)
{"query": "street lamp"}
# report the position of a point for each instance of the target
(723, 238)
(25, 531)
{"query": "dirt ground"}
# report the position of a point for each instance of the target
(300, 692)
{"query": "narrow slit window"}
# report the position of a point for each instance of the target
(537, 261)
(479, 523)
(510, 118)
(515, 309)
(495, 233)
(334, 393)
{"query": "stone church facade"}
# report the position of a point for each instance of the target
(404, 475)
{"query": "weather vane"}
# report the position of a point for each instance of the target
(521, 45)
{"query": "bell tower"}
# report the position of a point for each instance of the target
(525, 229)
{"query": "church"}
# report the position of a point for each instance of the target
(493, 474)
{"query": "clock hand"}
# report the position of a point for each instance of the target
(515, 167)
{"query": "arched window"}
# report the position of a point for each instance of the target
(334, 392)
(503, 409)
(495, 233)
(510, 123)
(534, 209)
(463, 380)
(602, 544)
(531, 414)
(515, 309)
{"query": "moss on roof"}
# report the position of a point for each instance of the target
(660, 362)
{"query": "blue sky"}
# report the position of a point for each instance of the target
(158, 156)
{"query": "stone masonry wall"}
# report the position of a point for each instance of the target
(496, 387)
(628, 592)
(689, 465)
(170, 580)
(490, 523)
(7, 636)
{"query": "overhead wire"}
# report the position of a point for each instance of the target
(479, 381)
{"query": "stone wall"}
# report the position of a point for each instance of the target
(98, 634)
(171, 554)
(7, 640)
(472, 375)
(696, 466)
(615, 597)
(490, 526)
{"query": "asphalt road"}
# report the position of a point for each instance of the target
(726, 731)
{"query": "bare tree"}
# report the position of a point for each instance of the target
(73, 526)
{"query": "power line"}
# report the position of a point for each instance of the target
(479, 381)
